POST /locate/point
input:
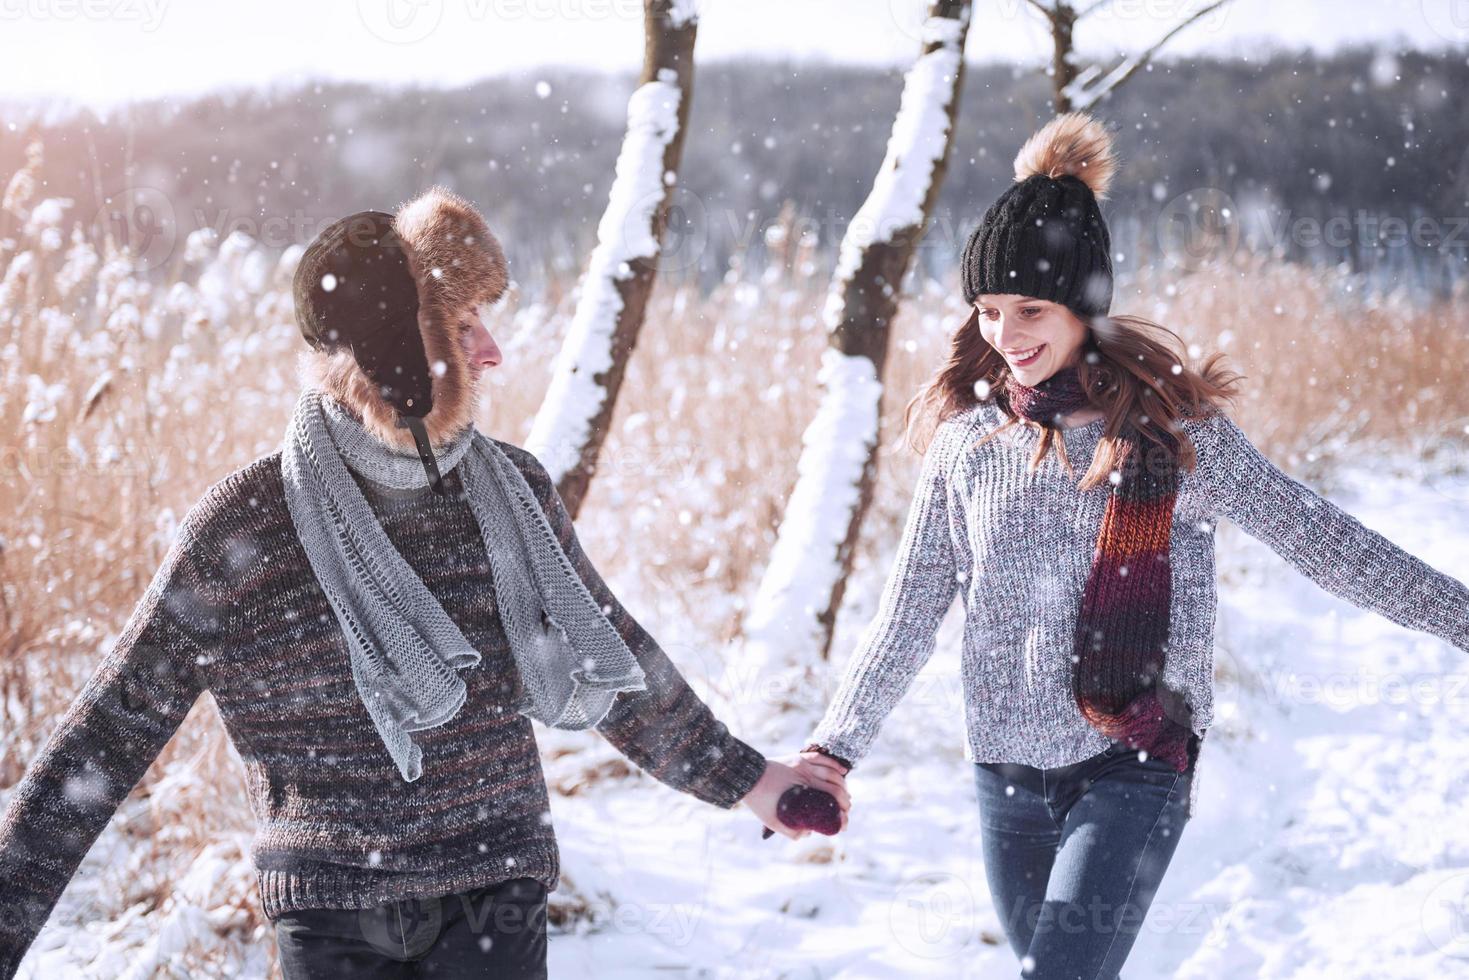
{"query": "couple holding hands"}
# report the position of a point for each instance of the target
(381, 606)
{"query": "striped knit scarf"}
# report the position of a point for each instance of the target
(1122, 626)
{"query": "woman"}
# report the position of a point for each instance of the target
(1089, 602)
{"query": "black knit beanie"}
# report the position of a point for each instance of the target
(1045, 237)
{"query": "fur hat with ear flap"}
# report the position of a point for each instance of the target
(379, 299)
(1045, 236)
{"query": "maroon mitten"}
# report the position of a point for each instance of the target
(806, 808)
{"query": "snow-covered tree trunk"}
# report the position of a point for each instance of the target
(573, 419)
(796, 604)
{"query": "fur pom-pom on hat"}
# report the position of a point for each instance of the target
(1072, 143)
(1045, 236)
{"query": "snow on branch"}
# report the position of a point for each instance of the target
(919, 139)
(1081, 94)
(803, 565)
(1083, 97)
(792, 608)
(625, 233)
(682, 13)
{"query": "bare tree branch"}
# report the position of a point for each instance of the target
(1097, 5)
(1127, 67)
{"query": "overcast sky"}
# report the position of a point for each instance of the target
(103, 51)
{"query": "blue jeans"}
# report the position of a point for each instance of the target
(1073, 855)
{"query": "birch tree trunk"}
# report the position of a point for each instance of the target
(573, 419)
(796, 604)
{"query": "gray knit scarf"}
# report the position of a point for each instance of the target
(405, 650)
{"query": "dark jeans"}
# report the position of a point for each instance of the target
(1073, 856)
(498, 931)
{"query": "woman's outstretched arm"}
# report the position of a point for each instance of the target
(900, 639)
(1322, 541)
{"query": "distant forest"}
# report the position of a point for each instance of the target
(1362, 135)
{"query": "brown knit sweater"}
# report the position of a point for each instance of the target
(235, 610)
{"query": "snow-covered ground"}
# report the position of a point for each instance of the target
(1330, 838)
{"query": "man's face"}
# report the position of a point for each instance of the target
(479, 347)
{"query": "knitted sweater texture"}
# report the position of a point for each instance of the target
(1017, 547)
(235, 610)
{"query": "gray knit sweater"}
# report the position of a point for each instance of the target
(236, 611)
(1018, 548)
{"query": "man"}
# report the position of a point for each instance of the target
(379, 608)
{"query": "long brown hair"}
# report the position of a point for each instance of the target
(1133, 368)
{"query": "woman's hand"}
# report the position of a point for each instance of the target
(805, 769)
(824, 773)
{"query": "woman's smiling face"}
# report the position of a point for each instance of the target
(1036, 337)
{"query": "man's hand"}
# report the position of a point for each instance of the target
(806, 769)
